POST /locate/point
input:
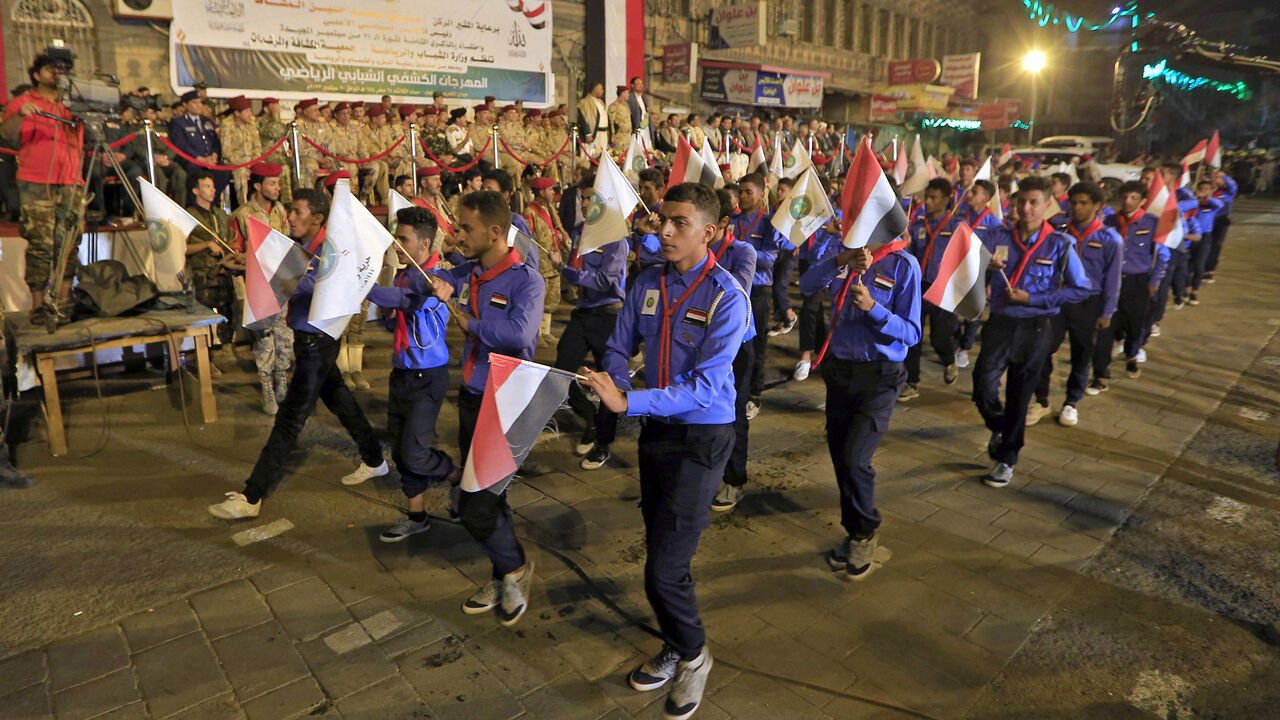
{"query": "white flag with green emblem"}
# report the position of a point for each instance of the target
(794, 164)
(635, 161)
(354, 244)
(612, 200)
(804, 210)
(168, 225)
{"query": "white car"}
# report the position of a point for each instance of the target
(1110, 174)
(1084, 143)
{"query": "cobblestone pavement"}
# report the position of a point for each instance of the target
(120, 598)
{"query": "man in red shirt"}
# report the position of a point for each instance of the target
(49, 183)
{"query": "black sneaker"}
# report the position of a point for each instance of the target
(595, 459)
(994, 444)
(1096, 387)
(686, 691)
(656, 671)
(853, 556)
(1131, 368)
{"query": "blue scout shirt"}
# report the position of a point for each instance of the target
(925, 232)
(600, 274)
(1206, 214)
(706, 332)
(821, 244)
(979, 220)
(425, 320)
(1227, 195)
(1142, 254)
(1052, 272)
(737, 257)
(646, 246)
(507, 312)
(891, 326)
(1101, 252)
(756, 229)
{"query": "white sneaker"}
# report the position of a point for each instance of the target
(1036, 413)
(364, 472)
(687, 687)
(1117, 350)
(753, 409)
(515, 595)
(999, 476)
(235, 507)
(962, 359)
(1142, 355)
(1068, 416)
(802, 371)
(1155, 329)
(484, 599)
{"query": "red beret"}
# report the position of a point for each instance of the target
(406, 110)
(483, 107)
(238, 103)
(542, 183)
(377, 110)
(555, 113)
(505, 108)
(622, 87)
(431, 110)
(265, 169)
(325, 106)
(304, 104)
(335, 177)
(488, 99)
(270, 101)
(344, 105)
(357, 104)
(534, 112)
(430, 171)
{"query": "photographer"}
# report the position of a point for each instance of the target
(50, 150)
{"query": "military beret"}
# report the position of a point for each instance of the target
(505, 108)
(555, 114)
(344, 105)
(190, 95)
(483, 107)
(457, 113)
(238, 103)
(304, 104)
(430, 171)
(377, 110)
(270, 100)
(406, 110)
(534, 112)
(489, 99)
(542, 183)
(265, 169)
(335, 177)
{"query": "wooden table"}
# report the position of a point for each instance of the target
(85, 336)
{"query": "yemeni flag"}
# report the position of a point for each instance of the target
(899, 163)
(961, 285)
(1197, 153)
(355, 243)
(868, 198)
(1006, 154)
(273, 266)
(612, 200)
(168, 225)
(757, 161)
(804, 209)
(1213, 152)
(1184, 180)
(519, 398)
(689, 166)
(709, 158)
(1163, 203)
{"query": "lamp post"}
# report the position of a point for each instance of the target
(1033, 63)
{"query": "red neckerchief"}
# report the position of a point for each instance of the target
(664, 342)
(725, 243)
(1045, 231)
(972, 221)
(477, 280)
(1094, 227)
(932, 234)
(1124, 222)
(546, 218)
(877, 256)
(313, 247)
(441, 219)
(401, 342)
(432, 261)
(743, 229)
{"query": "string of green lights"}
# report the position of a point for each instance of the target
(1187, 83)
(1045, 14)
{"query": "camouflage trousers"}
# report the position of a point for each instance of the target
(49, 217)
(240, 183)
(552, 299)
(273, 355)
(354, 334)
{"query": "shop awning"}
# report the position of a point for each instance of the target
(761, 85)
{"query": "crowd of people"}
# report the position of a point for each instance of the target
(670, 323)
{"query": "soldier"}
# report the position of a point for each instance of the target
(193, 133)
(482, 130)
(555, 135)
(209, 262)
(346, 140)
(273, 347)
(515, 139)
(270, 129)
(403, 153)
(379, 136)
(311, 126)
(620, 120)
(551, 238)
(432, 200)
(458, 135)
(240, 143)
(435, 139)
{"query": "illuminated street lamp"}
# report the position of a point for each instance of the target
(1033, 63)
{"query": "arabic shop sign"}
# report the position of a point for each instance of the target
(758, 87)
(300, 48)
(737, 26)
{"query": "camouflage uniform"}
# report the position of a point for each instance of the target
(513, 134)
(399, 162)
(437, 141)
(620, 125)
(240, 143)
(377, 140)
(319, 133)
(269, 133)
(548, 237)
(272, 347)
(348, 141)
(562, 169)
(49, 216)
(211, 281)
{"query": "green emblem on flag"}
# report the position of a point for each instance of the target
(595, 209)
(328, 260)
(160, 237)
(789, 161)
(638, 164)
(800, 207)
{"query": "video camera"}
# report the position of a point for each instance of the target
(99, 95)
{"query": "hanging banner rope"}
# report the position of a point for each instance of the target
(210, 166)
(355, 161)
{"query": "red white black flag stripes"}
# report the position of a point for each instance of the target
(961, 285)
(273, 266)
(519, 398)
(868, 198)
(689, 166)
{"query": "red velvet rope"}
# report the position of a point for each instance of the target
(463, 168)
(209, 166)
(354, 161)
(527, 163)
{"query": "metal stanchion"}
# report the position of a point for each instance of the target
(297, 154)
(151, 156)
(413, 154)
(494, 134)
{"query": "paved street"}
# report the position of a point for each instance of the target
(1128, 572)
